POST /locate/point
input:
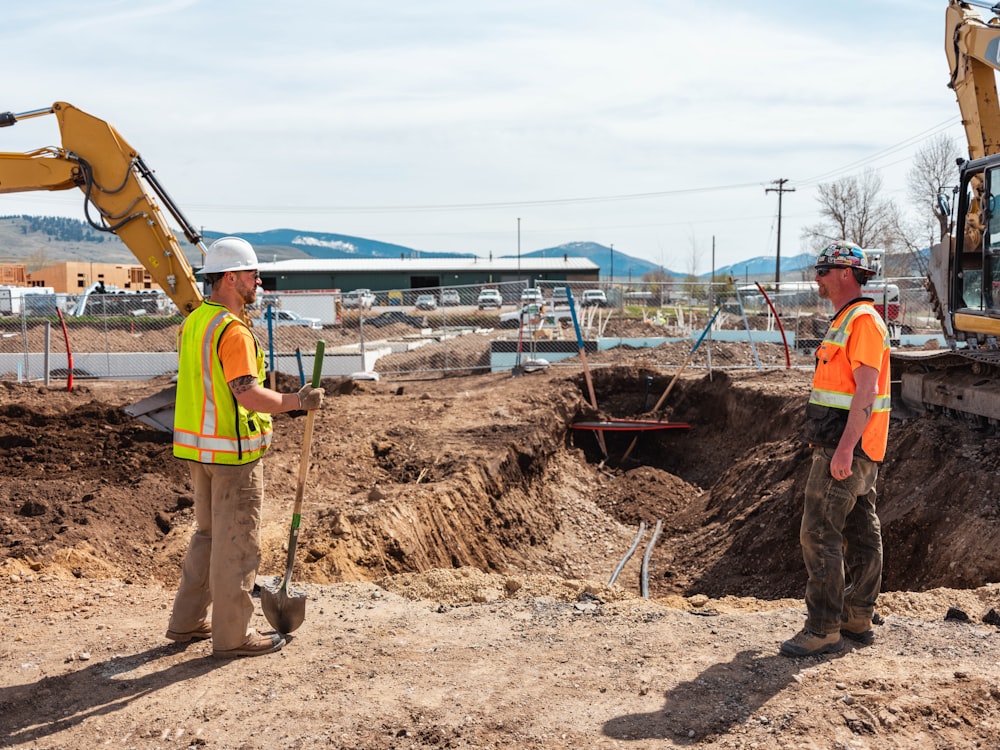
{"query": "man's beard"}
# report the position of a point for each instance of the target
(249, 295)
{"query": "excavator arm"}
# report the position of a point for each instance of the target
(121, 193)
(973, 49)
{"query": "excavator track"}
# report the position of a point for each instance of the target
(962, 384)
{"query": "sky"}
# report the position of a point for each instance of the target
(653, 126)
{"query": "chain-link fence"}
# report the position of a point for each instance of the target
(439, 331)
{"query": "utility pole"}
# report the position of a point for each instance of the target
(519, 248)
(780, 190)
(711, 281)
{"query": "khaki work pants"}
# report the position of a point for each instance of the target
(841, 541)
(224, 553)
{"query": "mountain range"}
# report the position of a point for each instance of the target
(39, 241)
(278, 243)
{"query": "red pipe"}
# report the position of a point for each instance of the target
(69, 352)
(788, 358)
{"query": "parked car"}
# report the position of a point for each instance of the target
(426, 302)
(489, 298)
(594, 298)
(531, 296)
(362, 299)
(560, 297)
(391, 317)
(290, 318)
(450, 297)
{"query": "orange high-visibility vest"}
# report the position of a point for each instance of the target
(857, 336)
(210, 425)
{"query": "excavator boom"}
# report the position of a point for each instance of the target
(972, 46)
(126, 198)
(117, 185)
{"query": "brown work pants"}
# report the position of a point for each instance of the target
(841, 541)
(224, 553)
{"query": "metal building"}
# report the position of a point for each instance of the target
(419, 273)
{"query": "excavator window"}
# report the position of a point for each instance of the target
(976, 285)
(972, 217)
(991, 247)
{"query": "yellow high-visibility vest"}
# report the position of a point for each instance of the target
(210, 425)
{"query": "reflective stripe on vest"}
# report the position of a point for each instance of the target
(836, 400)
(210, 426)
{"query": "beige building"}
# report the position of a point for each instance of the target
(13, 274)
(73, 277)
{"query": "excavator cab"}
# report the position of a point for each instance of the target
(975, 289)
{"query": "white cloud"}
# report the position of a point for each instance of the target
(347, 247)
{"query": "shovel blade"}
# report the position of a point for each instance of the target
(284, 609)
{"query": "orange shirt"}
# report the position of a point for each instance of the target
(238, 353)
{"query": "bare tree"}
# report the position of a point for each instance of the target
(897, 264)
(934, 171)
(696, 290)
(694, 257)
(853, 210)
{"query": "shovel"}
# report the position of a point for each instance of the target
(286, 609)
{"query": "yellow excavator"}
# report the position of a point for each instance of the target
(964, 270)
(121, 195)
(117, 185)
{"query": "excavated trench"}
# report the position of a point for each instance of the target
(729, 489)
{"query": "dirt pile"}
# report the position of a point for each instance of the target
(456, 545)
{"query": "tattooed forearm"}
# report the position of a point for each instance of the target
(243, 384)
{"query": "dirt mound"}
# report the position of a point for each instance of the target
(456, 545)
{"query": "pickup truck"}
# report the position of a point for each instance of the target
(291, 318)
(594, 298)
(531, 296)
(359, 299)
(532, 314)
(489, 298)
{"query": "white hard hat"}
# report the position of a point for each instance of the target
(229, 254)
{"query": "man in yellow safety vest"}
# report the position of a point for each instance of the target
(222, 427)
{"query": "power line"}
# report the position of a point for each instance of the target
(934, 130)
(476, 206)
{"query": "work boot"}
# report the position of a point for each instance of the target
(201, 633)
(857, 626)
(255, 645)
(808, 643)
